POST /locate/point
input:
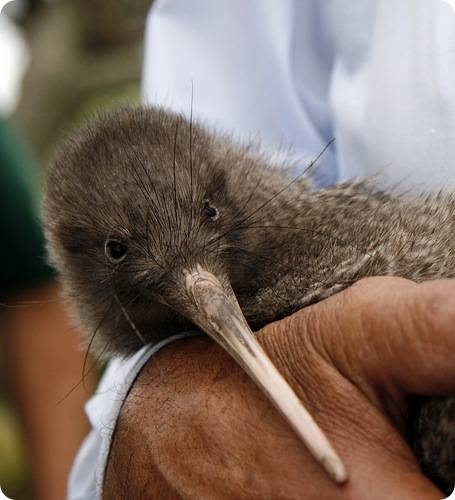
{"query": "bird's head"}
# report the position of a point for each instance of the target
(143, 214)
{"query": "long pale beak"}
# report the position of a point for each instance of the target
(223, 320)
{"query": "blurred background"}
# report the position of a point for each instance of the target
(60, 62)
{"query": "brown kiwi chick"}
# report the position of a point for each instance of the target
(157, 225)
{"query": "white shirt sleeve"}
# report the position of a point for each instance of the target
(103, 409)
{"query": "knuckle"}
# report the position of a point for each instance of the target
(432, 309)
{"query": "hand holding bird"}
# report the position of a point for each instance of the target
(187, 415)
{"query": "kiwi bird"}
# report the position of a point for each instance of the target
(156, 225)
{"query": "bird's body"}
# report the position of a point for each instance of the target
(141, 197)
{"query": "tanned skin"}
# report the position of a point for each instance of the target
(181, 433)
(44, 362)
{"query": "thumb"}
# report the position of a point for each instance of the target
(359, 339)
(401, 334)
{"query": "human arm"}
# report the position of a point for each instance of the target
(40, 348)
(44, 362)
(195, 426)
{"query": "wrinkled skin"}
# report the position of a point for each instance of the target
(182, 434)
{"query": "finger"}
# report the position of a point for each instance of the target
(401, 333)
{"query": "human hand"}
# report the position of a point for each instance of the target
(195, 426)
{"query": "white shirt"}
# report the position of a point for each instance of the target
(378, 75)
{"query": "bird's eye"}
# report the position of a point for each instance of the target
(115, 250)
(210, 211)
